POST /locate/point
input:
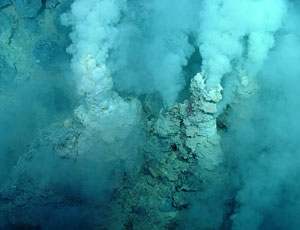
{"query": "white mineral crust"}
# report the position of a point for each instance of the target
(104, 110)
(201, 127)
(195, 121)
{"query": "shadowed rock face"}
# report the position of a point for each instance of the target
(4, 3)
(28, 8)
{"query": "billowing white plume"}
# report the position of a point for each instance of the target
(93, 35)
(237, 35)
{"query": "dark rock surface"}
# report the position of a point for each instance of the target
(49, 54)
(4, 3)
(28, 8)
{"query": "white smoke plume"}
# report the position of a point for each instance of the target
(142, 46)
(94, 28)
(237, 35)
(146, 44)
(93, 36)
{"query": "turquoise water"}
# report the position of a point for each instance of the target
(137, 115)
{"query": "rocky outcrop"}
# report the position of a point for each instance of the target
(152, 181)
(182, 160)
(191, 126)
(104, 111)
(4, 3)
(28, 8)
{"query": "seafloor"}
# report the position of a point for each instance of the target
(160, 167)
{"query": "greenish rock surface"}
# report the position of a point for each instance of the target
(4, 3)
(152, 174)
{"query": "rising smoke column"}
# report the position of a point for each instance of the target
(268, 159)
(237, 35)
(145, 54)
(94, 32)
(239, 39)
(155, 42)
